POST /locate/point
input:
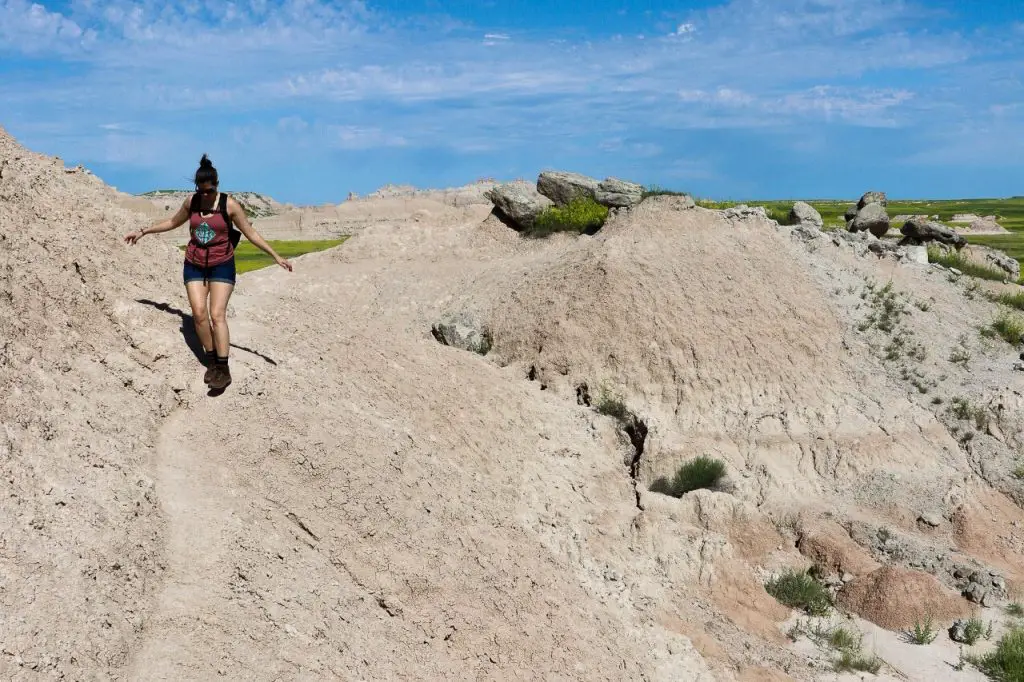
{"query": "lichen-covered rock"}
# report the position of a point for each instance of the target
(465, 331)
(872, 198)
(616, 193)
(562, 188)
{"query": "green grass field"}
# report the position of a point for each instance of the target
(1009, 213)
(249, 258)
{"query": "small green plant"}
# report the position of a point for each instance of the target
(1006, 662)
(924, 631)
(611, 404)
(1009, 327)
(1012, 300)
(1018, 473)
(582, 214)
(659, 191)
(923, 306)
(961, 354)
(963, 409)
(974, 631)
(701, 472)
(855, 661)
(887, 308)
(799, 590)
(1015, 609)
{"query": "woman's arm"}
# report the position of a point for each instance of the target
(241, 221)
(176, 220)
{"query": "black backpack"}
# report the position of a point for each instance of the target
(234, 234)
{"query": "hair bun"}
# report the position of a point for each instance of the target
(205, 162)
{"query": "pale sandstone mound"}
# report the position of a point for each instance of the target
(81, 528)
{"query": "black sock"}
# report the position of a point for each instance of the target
(222, 361)
(211, 355)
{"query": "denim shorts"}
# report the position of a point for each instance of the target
(224, 272)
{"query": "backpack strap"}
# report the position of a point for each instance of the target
(234, 234)
(193, 204)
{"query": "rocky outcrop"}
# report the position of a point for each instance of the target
(561, 188)
(919, 230)
(995, 259)
(615, 193)
(743, 212)
(518, 201)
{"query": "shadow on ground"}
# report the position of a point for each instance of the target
(188, 331)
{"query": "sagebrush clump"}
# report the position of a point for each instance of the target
(702, 472)
(580, 215)
(800, 590)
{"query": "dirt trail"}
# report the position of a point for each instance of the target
(196, 496)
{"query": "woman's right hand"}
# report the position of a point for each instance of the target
(133, 237)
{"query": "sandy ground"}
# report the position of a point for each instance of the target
(366, 503)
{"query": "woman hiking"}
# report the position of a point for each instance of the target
(209, 270)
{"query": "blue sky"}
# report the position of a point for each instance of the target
(307, 100)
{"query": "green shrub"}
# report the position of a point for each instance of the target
(1015, 609)
(1006, 663)
(1009, 327)
(702, 472)
(580, 215)
(854, 661)
(658, 191)
(974, 631)
(924, 631)
(611, 404)
(800, 590)
(954, 259)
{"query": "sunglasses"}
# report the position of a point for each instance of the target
(207, 191)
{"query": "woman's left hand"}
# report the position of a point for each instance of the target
(284, 264)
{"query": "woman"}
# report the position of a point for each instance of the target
(209, 271)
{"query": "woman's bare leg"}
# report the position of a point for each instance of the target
(220, 293)
(197, 294)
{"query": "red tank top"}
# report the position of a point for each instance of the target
(210, 243)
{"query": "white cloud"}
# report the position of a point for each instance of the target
(333, 74)
(32, 29)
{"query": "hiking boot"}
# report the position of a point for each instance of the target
(221, 378)
(211, 370)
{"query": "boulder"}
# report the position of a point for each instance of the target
(464, 331)
(871, 218)
(919, 230)
(872, 198)
(616, 193)
(518, 201)
(803, 213)
(850, 214)
(562, 188)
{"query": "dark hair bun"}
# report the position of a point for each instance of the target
(205, 162)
